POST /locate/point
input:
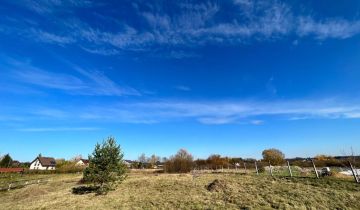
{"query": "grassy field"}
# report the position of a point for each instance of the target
(184, 191)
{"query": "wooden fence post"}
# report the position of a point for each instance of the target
(354, 174)
(245, 167)
(289, 169)
(271, 171)
(316, 172)
(256, 168)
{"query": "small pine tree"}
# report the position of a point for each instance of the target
(106, 168)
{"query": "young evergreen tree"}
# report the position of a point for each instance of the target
(106, 168)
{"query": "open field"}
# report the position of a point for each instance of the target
(184, 191)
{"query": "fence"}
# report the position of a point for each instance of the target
(285, 170)
(21, 183)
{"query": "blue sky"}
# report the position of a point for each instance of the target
(230, 77)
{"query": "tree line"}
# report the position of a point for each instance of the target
(107, 168)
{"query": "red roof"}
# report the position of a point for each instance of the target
(11, 170)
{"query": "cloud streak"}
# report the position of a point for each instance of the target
(332, 28)
(47, 37)
(215, 112)
(185, 26)
(58, 129)
(235, 111)
(183, 88)
(81, 82)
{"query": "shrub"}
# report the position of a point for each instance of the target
(6, 161)
(274, 156)
(84, 189)
(182, 162)
(69, 167)
(216, 161)
(261, 167)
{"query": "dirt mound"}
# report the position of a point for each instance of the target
(216, 186)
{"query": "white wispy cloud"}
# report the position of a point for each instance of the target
(77, 81)
(102, 85)
(58, 129)
(189, 25)
(330, 28)
(47, 37)
(102, 51)
(182, 88)
(217, 120)
(52, 113)
(244, 2)
(27, 73)
(51, 6)
(214, 112)
(257, 122)
(354, 114)
(180, 54)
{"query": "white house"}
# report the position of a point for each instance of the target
(128, 163)
(82, 162)
(43, 163)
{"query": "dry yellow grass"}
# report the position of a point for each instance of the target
(183, 191)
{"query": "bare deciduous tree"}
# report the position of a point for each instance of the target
(182, 162)
(142, 158)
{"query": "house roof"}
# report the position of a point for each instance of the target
(11, 170)
(46, 161)
(85, 161)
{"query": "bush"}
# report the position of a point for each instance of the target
(261, 167)
(6, 161)
(182, 162)
(106, 168)
(274, 156)
(216, 161)
(69, 167)
(84, 189)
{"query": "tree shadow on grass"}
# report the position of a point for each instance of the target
(81, 190)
